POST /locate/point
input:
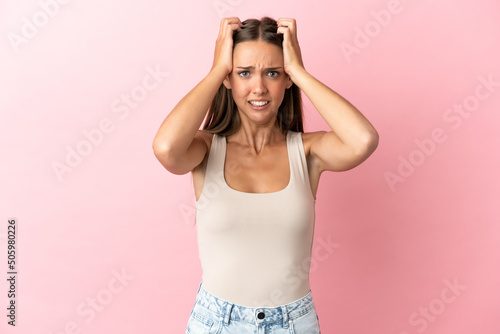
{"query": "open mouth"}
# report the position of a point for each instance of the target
(258, 103)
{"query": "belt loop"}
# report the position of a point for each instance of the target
(227, 313)
(284, 312)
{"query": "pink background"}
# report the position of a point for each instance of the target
(420, 214)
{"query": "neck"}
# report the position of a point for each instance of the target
(256, 138)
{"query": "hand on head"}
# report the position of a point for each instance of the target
(223, 55)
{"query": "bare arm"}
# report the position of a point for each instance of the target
(175, 144)
(353, 138)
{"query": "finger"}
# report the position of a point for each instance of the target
(289, 23)
(229, 21)
(285, 21)
(290, 28)
(235, 23)
(236, 26)
(285, 31)
(282, 30)
(288, 34)
(233, 20)
(229, 28)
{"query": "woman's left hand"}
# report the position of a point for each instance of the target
(291, 49)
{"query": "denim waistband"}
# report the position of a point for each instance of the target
(226, 310)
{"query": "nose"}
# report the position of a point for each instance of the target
(259, 86)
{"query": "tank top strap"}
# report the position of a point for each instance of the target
(298, 157)
(295, 147)
(215, 163)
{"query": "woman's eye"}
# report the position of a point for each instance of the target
(272, 74)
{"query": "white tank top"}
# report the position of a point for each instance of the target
(255, 248)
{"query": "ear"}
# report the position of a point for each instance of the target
(289, 82)
(226, 82)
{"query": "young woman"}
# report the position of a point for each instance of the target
(255, 175)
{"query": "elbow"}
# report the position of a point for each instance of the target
(372, 141)
(169, 161)
(159, 148)
(161, 152)
(368, 144)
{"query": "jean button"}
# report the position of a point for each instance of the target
(261, 315)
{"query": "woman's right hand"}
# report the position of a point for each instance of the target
(223, 55)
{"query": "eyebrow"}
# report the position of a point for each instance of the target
(253, 67)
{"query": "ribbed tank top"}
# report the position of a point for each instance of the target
(255, 248)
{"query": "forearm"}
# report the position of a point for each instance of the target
(178, 129)
(345, 120)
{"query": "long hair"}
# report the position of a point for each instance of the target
(223, 117)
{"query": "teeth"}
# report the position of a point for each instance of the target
(259, 104)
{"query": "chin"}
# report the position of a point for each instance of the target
(262, 118)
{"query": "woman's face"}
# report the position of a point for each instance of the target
(258, 75)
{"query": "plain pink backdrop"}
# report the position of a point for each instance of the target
(108, 245)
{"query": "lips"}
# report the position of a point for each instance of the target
(258, 103)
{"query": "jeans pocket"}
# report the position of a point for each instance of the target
(307, 323)
(200, 321)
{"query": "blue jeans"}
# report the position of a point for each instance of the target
(212, 315)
